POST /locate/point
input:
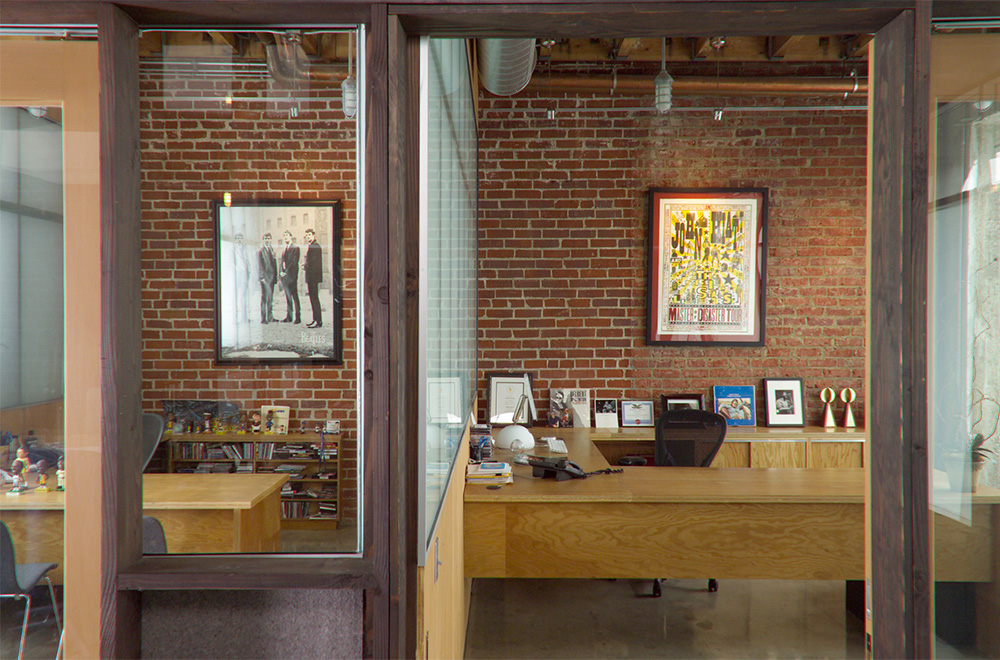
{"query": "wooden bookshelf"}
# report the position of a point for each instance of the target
(310, 498)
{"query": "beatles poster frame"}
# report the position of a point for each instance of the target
(252, 327)
(706, 270)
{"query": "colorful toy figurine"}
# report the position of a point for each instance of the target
(269, 426)
(255, 422)
(61, 474)
(20, 484)
(43, 476)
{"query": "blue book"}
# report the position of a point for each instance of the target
(737, 404)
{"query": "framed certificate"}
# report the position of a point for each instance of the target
(504, 394)
(637, 413)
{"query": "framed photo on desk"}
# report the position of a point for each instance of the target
(637, 413)
(503, 394)
(783, 402)
(706, 267)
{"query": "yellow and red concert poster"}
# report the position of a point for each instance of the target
(706, 274)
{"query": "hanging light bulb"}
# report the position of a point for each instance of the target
(349, 88)
(663, 83)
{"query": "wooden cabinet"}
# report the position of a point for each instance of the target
(762, 447)
(311, 497)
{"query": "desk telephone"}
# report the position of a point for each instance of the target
(559, 469)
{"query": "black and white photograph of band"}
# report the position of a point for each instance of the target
(278, 282)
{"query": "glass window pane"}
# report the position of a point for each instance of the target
(449, 180)
(251, 231)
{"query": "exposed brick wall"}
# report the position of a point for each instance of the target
(192, 153)
(562, 244)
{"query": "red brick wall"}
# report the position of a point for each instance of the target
(192, 153)
(562, 244)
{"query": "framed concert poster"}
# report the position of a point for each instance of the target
(706, 268)
(278, 282)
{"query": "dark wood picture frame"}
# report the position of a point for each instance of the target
(672, 401)
(706, 271)
(494, 377)
(269, 294)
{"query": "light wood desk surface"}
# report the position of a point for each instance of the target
(735, 523)
(200, 513)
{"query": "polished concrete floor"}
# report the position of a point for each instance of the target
(618, 619)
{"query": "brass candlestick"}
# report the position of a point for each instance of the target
(847, 395)
(827, 395)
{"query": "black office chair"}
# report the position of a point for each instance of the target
(152, 432)
(17, 581)
(688, 438)
(154, 541)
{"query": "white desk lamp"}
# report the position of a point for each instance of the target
(506, 437)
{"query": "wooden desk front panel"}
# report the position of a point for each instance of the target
(634, 540)
(778, 455)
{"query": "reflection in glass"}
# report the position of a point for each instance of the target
(32, 359)
(964, 319)
(448, 203)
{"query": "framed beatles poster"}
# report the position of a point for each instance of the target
(278, 282)
(706, 269)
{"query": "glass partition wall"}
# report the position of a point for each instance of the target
(448, 267)
(32, 359)
(964, 318)
(251, 236)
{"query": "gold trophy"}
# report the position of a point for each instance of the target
(847, 395)
(827, 395)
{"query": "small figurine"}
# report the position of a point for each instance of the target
(43, 477)
(241, 424)
(169, 430)
(220, 428)
(269, 426)
(255, 422)
(20, 484)
(206, 425)
(22, 460)
(826, 396)
(302, 427)
(61, 474)
(847, 395)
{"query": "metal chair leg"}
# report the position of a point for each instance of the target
(24, 626)
(657, 592)
(713, 585)
(55, 605)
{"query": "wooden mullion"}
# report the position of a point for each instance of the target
(121, 340)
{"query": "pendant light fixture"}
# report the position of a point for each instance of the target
(349, 88)
(663, 83)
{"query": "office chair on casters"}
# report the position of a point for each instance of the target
(152, 432)
(17, 581)
(688, 438)
(154, 541)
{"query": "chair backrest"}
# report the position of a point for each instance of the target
(689, 438)
(8, 563)
(152, 432)
(154, 541)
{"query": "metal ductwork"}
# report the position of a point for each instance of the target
(288, 65)
(505, 65)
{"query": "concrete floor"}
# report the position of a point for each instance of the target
(617, 619)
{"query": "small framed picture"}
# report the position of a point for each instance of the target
(274, 419)
(504, 394)
(736, 403)
(783, 401)
(637, 413)
(606, 413)
(683, 401)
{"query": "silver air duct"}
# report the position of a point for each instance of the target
(505, 65)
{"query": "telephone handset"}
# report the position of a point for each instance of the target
(559, 469)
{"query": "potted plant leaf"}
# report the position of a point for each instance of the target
(959, 477)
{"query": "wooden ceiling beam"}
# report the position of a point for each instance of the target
(627, 46)
(777, 47)
(700, 47)
(226, 39)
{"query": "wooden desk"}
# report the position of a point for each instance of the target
(727, 523)
(201, 513)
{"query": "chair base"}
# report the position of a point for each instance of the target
(713, 586)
